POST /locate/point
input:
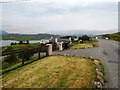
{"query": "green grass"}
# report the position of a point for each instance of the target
(81, 46)
(20, 46)
(86, 44)
(53, 72)
(114, 36)
(6, 67)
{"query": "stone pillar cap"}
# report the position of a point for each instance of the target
(48, 44)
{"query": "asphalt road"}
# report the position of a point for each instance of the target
(107, 52)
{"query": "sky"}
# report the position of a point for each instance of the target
(58, 16)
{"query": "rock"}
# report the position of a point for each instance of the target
(68, 54)
(97, 69)
(100, 73)
(65, 54)
(99, 85)
(96, 62)
(91, 58)
(83, 56)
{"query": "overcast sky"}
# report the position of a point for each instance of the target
(54, 16)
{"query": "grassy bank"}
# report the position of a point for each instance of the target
(85, 44)
(53, 72)
(80, 46)
(114, 36)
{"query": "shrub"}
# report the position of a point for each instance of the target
(20, 42)
(26, 53)
(11, 57)
(85, 37)
(12, 43)
(27, 42)
(55, 46)
(65, 45)
(9, 49)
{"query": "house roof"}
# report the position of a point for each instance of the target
(64, 40)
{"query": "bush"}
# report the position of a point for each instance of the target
(12, 43)
(55, 47)
(85, 38)
(26, 53)
(9, 49)
(11, 58)
(20, 42)
(65, 45)
(27, 42)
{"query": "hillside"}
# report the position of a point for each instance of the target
(3, 32)
(114, 36)
(27, 36)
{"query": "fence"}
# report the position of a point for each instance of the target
(23, 57)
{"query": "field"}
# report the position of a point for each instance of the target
(53, 72)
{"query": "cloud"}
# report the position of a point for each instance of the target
(37, 16)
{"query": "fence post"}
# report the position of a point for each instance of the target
(39, 55)
(49, 49)
(22, 59)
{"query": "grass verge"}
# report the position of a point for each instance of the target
(81, 46)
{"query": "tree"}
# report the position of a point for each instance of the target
(65, 45)
(25, 54)
(15, 43)
(85, 37)
(20, 42)
(12, 43)
(12, 56)
(80, 38)
(27, 42)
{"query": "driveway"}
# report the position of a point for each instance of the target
(107, 52)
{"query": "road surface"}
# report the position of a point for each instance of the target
(107, 52)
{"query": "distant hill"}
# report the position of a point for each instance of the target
(25, 37)
(114, 36)
(3, 32)
(47, 35)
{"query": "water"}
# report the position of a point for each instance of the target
(8, 42)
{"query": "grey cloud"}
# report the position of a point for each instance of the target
(38, 9)
(39, 17)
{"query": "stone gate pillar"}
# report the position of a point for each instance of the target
(49, 49)
(61, 46)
